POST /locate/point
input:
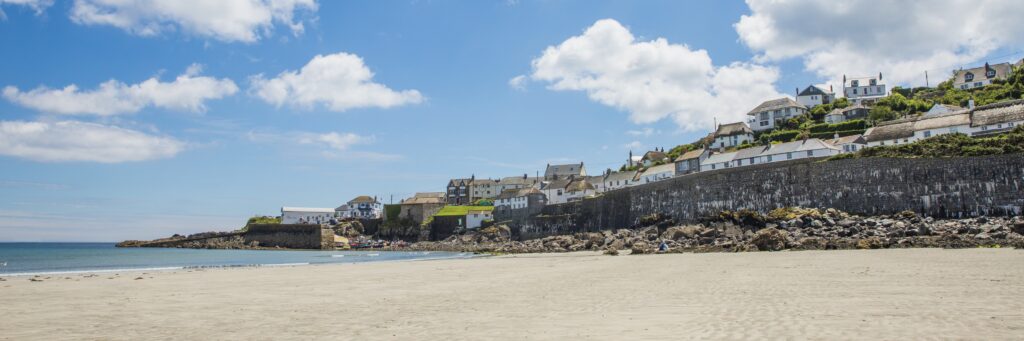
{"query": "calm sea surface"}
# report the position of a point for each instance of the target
(43, 258)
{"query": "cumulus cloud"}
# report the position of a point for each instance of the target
(901, 39)
(81, 141)
(188, 91)
(518, 82)
(339, 81)
(645, 132)
(653, 80)
(224, 20)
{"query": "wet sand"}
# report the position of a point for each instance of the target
(871, 294)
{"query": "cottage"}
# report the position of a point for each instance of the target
(717, 161)
(852, 112)
(997, 118)
(654, 157)
(566, 190)
(616, 180)
(483, 189)
(422, 205)
(848, 144)
(554, 172)
(864, 90)
(813, 96)
(731, 135)
(306, 215)
(515, 199)
(518, 182)
(690, 161)
(365, 207)
(980, 76)
(597, 181)
(658, 173)
(770, 114)
(476, 218)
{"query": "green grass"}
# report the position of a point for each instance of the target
(451, 211)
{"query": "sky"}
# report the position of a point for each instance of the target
(138, 119)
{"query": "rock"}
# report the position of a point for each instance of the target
(640, 248)
(983, 236)
(847, 222)
(899, 225)
(812, 243)
(617, 245)
(1018, 227)
(769, 239)
(981, 220)
(611, 252)
(870, 243)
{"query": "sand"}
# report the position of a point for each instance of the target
(877, 294)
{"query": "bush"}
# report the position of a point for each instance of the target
(779, 136)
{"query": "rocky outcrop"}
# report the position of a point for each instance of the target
(780, 229)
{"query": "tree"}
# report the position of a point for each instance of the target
(881, 113)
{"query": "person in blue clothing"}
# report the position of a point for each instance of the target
(663, 246)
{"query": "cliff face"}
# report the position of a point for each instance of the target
(289, 236)
(933, 187)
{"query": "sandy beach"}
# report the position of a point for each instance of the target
(875, 294)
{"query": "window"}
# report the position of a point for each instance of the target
(977, 84)
(968, 77)
(810, 153)
(963, 86)
(882, 143)
(559, 192)
(880, 90)
(983, 128)
(906, 140)
(712, 166)
(789, 156)
(764, 116)
(764, 123)
(927, 133)
(739, 162)
(854, 83)
(854, 91)
(990, 73)
(751, 160)
(769, 158)
(999, 126)
(873, 82)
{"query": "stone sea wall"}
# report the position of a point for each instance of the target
(289, 236)
(940, 188)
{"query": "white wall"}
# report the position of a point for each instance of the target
(475, 219)
(732, 141)
(291, 217)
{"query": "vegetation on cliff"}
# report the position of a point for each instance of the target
(260, 220)
(949, 145)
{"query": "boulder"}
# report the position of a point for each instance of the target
(680, 232)
(617, 245)
(769, 239)
(870, 243)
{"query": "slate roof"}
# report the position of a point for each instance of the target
(859, 139)
(775, 104)
(620, 176)
(813, 90)
(666, 168)
(518, 180)
(733, 129)
(998, 113)
(863, 81)
(564, 170)
(719, 158)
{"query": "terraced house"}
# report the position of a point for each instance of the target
(981, 76)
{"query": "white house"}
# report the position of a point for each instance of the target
(731, 135)
(616, 180)
(717, 161)
(980, 121)
(813, 96)
(658, 173)
(476, 218)
(864, 90)
(306, 215)
(848, 144)
(770, 114)
(980, 76)
(365, 207)
(566, 190)
(653, 157)
(520, 198)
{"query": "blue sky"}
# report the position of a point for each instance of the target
(491, 88)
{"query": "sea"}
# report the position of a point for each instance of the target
(21, 259)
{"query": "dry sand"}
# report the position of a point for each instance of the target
(879, 294)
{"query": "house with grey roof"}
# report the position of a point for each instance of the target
(690, 161)
(852, 112)
(984, 120)
(802, 149)
(814, 95)
(554, 172)
(731, 135)
(616, 180)
(848, 144)
(770, 114)
(717, 161)
(981, 76)
(567, 189)
(940, 108)
(518, 182)
(864, 90)
(657, 173)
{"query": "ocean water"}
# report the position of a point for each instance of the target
(51, 258)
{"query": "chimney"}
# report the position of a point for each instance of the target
(797, 92)
(879, 76)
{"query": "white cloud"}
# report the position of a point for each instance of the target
(188, 91)
(81, 141)
(635, 145)
(646, 132)
(518, 82)
(224, 20)
(340, 81)
(653, 80)
(901, 39)
(36, 5)
(333, 140)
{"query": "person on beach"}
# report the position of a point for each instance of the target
(663, 247)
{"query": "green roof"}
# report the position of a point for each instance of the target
(452, 211)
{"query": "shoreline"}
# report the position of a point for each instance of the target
(890, 293)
